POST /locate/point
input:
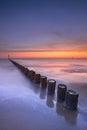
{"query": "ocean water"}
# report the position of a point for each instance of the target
(23, 104)
(62, 70)
(72, 72)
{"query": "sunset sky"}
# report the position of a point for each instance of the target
(43, 28)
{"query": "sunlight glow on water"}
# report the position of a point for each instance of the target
(63, 70)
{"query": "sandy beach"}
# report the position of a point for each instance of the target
(25, 106)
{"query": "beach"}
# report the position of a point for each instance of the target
(25, 106)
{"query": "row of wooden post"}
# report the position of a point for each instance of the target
(69, 96)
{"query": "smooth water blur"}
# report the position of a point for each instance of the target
(63, 70)
(25, 106)
(72, 72)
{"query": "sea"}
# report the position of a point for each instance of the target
(23, 104)
(62, 70)
(71, 72)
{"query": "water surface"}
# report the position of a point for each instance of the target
(25, 106)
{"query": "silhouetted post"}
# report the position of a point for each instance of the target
(26, 71)
(71, 100)
(61, 92)
(51, 86)
(37, 78)
(31, 74)
(43, 81)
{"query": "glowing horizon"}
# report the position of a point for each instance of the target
(53, 54)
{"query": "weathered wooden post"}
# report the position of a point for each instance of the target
(71, 100)
(51, 86)
(61, 92)
(37, 78)
(43, 81)
(32, 75)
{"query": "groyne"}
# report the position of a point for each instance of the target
(68, 97)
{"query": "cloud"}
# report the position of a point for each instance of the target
(78, 44)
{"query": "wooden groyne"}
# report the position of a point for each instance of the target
(68, 97)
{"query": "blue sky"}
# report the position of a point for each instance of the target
(39, 25)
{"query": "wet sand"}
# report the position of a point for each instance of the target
(25, 106)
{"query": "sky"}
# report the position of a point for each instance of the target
(43, 28)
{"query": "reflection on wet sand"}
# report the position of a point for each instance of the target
(50, 102)
(42, 93)
(69, 116)
(36, 88)
(33, 86)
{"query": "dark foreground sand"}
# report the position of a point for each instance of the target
(24, 106)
